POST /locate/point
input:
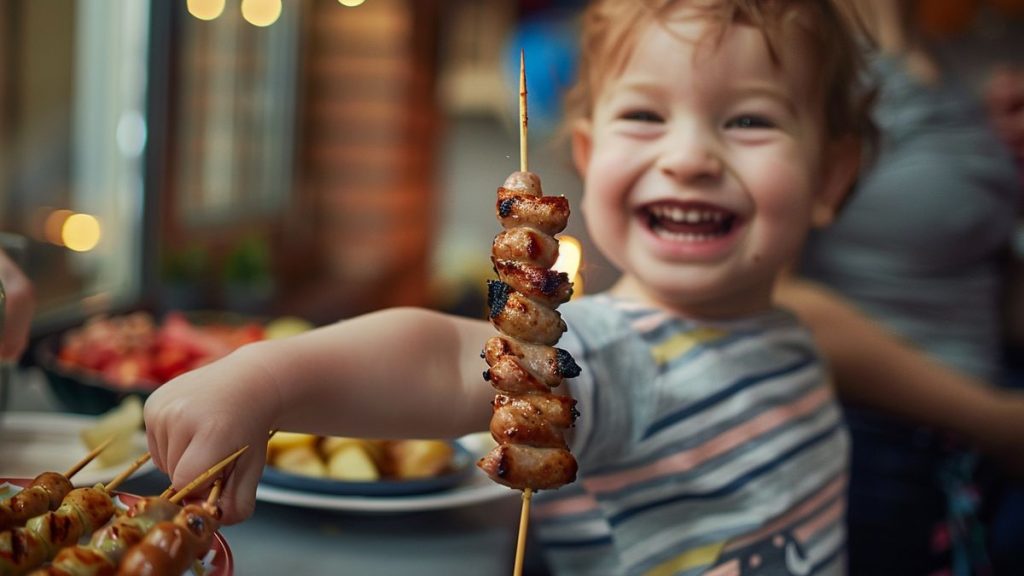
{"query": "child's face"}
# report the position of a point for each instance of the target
(704, 166)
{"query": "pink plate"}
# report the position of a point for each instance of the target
(218, 561)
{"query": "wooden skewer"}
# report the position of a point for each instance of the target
(523, 120)
(215, 491)
(89, 457)
(524, 522)
(181, 494)
(113, 484)
(524, 515)
(206, 475)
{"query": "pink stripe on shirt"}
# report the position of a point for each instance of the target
(649, 322)
(828, 517)
(565, 507)
(827, 492)
(720, 444)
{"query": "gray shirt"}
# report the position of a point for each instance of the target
(919, 245)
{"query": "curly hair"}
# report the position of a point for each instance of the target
(610, 29)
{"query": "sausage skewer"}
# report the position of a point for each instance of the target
(528, 420)
(524, 514)
(45, 493)
(173, 545)
(103, 553)
(107, 546)
(81, 511)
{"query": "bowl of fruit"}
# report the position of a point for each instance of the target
(91, 368)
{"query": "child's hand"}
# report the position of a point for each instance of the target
(18, 309)
(197, 419)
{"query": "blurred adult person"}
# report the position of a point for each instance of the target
(18, 307)
(906, 287)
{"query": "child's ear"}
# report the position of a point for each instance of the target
(581, 146)
(842, 163)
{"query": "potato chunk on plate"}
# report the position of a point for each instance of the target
(301, 459)
(352, 463)
(421, 458)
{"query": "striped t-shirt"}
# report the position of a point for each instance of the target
(704, 448)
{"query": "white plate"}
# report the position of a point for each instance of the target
(35, 442)
(476, 489)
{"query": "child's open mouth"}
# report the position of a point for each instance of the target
(690, 222)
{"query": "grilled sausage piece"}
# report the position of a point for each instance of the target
(558, 410)
(542, 285)
(547, 214)
(519, 317)
(521, 182)
(547, 364)
(509, 376)
(45, 493)
(520, 422)
(170, 547)
(521, 467)
(526, 245)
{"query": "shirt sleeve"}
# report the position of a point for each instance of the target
(615, 368)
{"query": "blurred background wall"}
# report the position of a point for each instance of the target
(308, 157)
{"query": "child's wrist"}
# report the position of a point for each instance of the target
(257, 361)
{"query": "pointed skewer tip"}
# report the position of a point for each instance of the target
(90, 456)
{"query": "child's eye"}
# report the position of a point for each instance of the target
(641, 116)
(749, 122)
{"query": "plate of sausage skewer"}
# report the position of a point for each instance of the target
(50, 528)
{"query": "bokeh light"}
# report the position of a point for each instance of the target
(81, 232)
(53, 226)
(570, 258)
(261, 12)
(206, 9)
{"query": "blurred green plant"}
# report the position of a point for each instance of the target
(185, 265)
(248, 262)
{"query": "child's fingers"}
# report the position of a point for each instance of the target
(156, 435)
(154, 450)
(196, 459)
(239, 498)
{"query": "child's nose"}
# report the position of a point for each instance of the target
(690, 161)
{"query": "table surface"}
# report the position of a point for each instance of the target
(473, 540)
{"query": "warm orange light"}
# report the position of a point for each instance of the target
(351, 3)
(261, 12)
(54, 224)
(570, 257)
(570, 254)
(205, 9)
(81, 232)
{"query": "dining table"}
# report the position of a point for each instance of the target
(473, 538)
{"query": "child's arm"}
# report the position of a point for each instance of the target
(395, 373)
(875, 368)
